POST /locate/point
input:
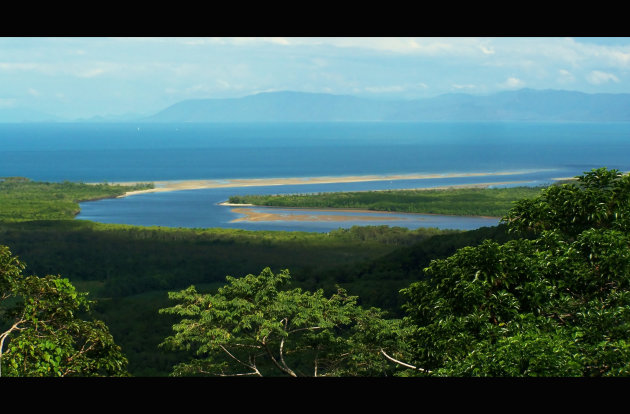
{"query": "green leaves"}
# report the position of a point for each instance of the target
(42, 333)
(255, 325)
(598, 199)
(556, 305)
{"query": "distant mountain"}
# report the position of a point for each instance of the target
(275, 106)
(521, 105)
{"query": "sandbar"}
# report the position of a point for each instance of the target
(251, 216)
(162, 186)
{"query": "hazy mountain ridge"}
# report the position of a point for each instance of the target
(521, 105)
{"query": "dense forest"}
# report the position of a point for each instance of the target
(544, 293)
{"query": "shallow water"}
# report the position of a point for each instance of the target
(201, 209)
(92, 152)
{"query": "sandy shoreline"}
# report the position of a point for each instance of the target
(258, 216)
(163, 186)
(252, 216)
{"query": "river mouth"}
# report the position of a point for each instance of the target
(207, 208)
(203, 209)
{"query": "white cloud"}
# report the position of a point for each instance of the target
(597, 77)
(33, 92)
(279, 41)
(621, 57)
(565, 74)
(403, 45)
(11, 66)
(90, 73)
(384, 89)
(487, 50)
(257, 91)
(512, 83)
(239, 41)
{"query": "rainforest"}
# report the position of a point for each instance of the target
(545, 293)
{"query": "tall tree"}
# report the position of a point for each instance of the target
(42, 330)
(255, 326)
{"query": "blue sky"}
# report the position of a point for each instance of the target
(82, 77)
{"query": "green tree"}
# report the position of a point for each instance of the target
(41, 329)
(255, 326)
(598, 199)
(557, 304)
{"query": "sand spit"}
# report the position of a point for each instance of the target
(251, 216)
(161, 186)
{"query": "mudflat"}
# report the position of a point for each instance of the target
(304, 215)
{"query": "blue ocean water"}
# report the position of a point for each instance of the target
(96, 152)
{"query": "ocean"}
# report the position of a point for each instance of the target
(98, 152)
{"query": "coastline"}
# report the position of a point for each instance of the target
(178, 185)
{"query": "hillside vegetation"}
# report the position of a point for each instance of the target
(553, 301)
(548, 297)
(23, 199)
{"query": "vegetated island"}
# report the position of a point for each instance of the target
(473, 200)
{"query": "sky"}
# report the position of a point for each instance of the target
(73, 77)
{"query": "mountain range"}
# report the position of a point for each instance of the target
(520, 105)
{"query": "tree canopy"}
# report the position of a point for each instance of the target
(42, 330)
(556, 303)
(256, 326)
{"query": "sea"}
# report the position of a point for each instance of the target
(533, 153)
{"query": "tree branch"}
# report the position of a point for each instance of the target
(403, 363)
(4, 336)
(289, 370)
(310, 328)
(252, 367)
(275, 362)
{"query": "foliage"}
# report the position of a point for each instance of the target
(23, 199)
(41, 329)
(555, 305)
(255, 326)
(128, 270)
(598, 199)
(457, 201)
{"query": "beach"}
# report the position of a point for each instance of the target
(161, 186)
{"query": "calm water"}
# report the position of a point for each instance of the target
(153, 152)
(200, 209)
